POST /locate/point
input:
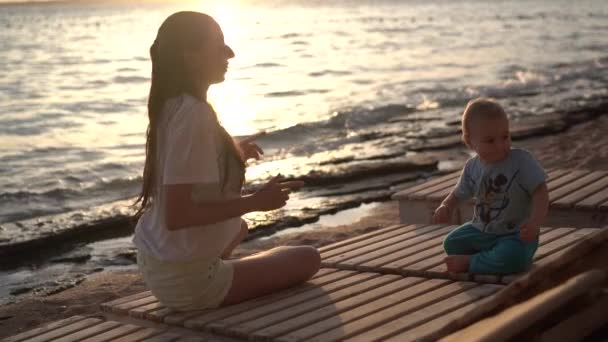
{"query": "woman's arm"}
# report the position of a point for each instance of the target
(182, 211)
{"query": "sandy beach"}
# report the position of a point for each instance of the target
(582, 146)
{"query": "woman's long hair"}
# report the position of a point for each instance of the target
(180, 32)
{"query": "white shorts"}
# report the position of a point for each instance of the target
(186, 285)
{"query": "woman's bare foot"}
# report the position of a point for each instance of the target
(457, 263)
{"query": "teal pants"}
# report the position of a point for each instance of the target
(490, 253)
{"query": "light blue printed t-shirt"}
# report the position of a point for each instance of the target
(502, 192)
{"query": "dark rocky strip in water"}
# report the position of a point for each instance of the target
(529, 127)
(334, 199)
(341, 188)
(339, 173)
(58, 232)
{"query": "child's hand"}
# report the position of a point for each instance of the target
(442, 214)
(529, 231)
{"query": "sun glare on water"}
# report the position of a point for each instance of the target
(228, 97)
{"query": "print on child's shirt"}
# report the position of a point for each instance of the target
(494, 197)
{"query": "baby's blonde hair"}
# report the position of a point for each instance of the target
(481, 107)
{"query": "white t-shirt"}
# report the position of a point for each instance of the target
(188, 151)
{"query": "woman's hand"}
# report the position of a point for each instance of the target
(274, 194)
(249, 149)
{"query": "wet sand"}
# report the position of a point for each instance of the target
(581, 146)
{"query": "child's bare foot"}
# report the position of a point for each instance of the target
(457, 263)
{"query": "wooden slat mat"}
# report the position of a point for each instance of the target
(144, 305)
(578, 198)
(550, 314)
(417, 250)
(80, 328)
(386, 284)
(335, 305)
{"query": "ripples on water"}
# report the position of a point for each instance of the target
(335, 83)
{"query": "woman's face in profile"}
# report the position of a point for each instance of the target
(210, 61)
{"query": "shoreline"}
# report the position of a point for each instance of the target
(581, 146)
(340, 183)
